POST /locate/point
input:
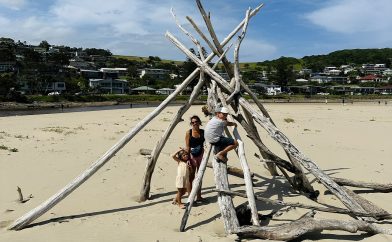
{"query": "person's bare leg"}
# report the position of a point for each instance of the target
(181, 192)
(222, 154)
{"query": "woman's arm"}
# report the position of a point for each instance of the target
(187, 138)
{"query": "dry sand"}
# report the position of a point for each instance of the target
(351, 141)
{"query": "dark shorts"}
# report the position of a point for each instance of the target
(223, 143)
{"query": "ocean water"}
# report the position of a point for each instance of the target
(33, 111)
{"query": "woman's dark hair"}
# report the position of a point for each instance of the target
(195, 117)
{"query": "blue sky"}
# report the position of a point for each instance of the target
(136, 27)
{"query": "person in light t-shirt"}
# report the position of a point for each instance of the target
(213, 133)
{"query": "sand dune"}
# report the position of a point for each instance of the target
(42, 153)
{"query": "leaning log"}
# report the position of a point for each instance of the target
(225, 202)
(195, 187)
(244, 166)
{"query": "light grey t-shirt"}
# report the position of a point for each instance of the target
(214, 130)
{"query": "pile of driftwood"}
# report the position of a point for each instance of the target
(250, 117)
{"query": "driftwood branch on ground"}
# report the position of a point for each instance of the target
(371, 185)
(21, 198)
(307, 224)
(232, 170)
(379, 215)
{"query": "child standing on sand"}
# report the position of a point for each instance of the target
(182, 179)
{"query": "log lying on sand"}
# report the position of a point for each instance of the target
(378, 214)
(308, 224)
(232, 170)
(375, 186)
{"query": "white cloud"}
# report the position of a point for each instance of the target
(134, 27)
(256, 50)
(13, 4)
(354, 16)
(4, 21)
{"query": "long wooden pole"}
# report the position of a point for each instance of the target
(195, 188)
(225, 202)
(244, 165)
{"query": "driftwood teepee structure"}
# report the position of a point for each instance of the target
(221, 92)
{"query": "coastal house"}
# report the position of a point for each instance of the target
(55, 87)
(79, 63)
(118, 70)
(6, 66)
(369, 78)
(387, 72)
(269, 89)
(165, 91)
(143, 90)
(109, 85)
(154, 73)
(319, 79)
(385, 90)
(91, 74)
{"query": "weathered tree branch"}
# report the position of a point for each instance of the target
(330, 209)
(375, 186)
(305, 225)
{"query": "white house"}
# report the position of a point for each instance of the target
(269, 89)
(119, 70)
(165, 91)
(55, 87)
(109, 85)
(154, 73)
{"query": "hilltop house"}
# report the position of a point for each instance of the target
(109, 81)
(154, 73)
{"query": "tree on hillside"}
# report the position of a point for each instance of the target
(7, 82)
(94, 51)
(284, 71)
(44, 44)
(60, 58)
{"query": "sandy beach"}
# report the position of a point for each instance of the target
(43, 153)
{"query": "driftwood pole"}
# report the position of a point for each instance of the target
(195, 187)
(245, 168)
(224, 201)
